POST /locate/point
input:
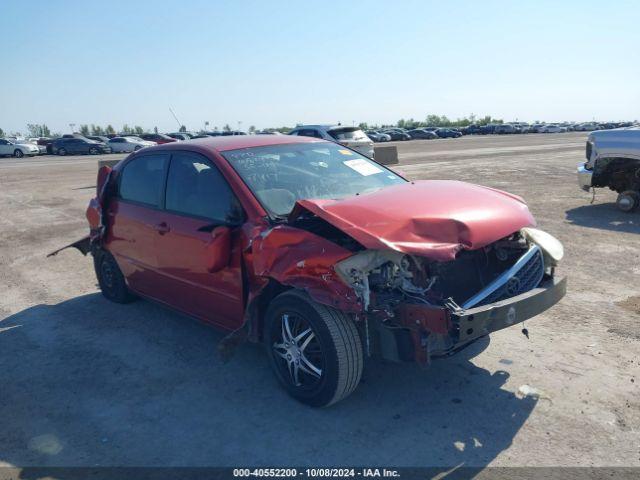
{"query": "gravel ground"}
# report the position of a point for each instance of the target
(86, 382)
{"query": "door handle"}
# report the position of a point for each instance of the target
(162, 228)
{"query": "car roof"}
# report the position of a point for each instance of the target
(236, 142)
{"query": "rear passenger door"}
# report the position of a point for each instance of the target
(197, 199)
(135, 220)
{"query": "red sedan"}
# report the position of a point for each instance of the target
(320, 253)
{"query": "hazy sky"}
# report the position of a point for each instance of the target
(273, 63)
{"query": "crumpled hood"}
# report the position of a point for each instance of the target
(431, 218)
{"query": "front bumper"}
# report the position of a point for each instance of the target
(427, 331)
(584, 177)
(473, 323)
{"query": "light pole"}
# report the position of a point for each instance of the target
(206, 124)
(72, 126)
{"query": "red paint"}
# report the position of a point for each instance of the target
(215, 276)
(303, 260)
(431, 218)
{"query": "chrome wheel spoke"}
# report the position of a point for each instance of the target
(309, 367)
(287, 337)
(301, 335)
(306, 341)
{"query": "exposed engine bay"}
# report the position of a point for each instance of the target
(416, 298)
(386, 278)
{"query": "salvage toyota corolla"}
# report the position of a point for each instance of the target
(318, 252)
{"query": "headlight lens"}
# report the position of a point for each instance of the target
(547, 242)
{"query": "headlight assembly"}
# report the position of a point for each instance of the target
(549, 244)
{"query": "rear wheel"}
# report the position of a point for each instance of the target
(315, 350)
(111, 279)
(62, 151)
(628, 201)
(18, 153)
(93, 151)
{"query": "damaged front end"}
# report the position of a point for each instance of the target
(419, 307)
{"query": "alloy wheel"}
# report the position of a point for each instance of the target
(298, 352)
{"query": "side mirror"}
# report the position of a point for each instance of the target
(218, 251)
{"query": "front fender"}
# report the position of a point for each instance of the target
(303, 260)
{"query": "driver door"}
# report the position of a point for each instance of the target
(197, 200)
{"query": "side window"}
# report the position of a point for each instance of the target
(3, 142)
(195, 187)
(143, 178)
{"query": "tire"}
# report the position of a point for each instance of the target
(18, 153)
(333, 347)
(110, 278)
(93, 151)
(628, 201)
(62, 151)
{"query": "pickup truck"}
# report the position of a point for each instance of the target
(613, 161)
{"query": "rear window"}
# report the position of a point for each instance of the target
(348, 133)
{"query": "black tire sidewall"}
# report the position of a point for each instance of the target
(324, 392)
(119, 292)
(62, 151)
(18, 153)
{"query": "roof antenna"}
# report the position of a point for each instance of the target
(174, 116)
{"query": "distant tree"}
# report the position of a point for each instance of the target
(363, 126)
(182, 129)
(1, 133)
(109, 130)
(97, 130)
(226, 127)
(127, 129)
(84, 129)
(252, 129)
(282, 129)
(36, 130)
(138, 129)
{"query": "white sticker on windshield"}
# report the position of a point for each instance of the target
(363, 167)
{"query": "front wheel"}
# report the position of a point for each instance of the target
(18, 153)
(93, 151)
(314, 350)
(628, 201)
(62, 151)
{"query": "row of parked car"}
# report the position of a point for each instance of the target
(78, 144)
(428, 133)
(353, 137)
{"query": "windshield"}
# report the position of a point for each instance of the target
(279, 175)
(348, 133)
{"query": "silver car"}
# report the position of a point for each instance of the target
(128, 144)
(18, 150)
(352, 137)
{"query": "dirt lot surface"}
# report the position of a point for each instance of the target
(87, 382)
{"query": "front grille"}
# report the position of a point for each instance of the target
(525, 279)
